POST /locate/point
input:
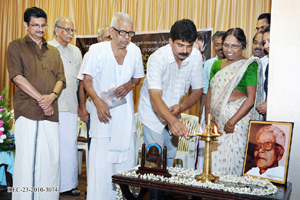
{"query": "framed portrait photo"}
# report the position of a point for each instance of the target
(268, 149)
(153, 156)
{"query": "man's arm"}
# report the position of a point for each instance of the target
(82, 112)
(123, 90)
(102, 108)
(48, 99)
(177, 127)
(191, 100)
(27, 87)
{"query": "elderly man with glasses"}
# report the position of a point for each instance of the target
(36, 68)
(268, 151)
(68, 105)
(116, 65)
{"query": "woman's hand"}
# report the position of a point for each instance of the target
(229, 128)
(262, 109)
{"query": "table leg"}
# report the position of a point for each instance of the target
(129, 196)
(127, 193)
(142, 194)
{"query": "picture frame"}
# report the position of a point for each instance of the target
(153, 155)
(268, 150)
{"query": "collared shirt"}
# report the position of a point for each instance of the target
(163, 74)
(42, 67)
(107, 73)
(206, 72)
(72, 59)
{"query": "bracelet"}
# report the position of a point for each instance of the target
(229, 126)
(55, 94)
(132, 83)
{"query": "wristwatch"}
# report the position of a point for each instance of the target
(55, 94)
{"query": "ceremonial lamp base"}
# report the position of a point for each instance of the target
(208, 137)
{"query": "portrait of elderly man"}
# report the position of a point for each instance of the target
(268, 151)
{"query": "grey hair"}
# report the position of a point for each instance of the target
(57, 21)
(217, 35)
(120, 15)
(277, 132)
(104, 27)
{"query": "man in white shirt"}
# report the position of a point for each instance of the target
(68, 105)
(268, 151)
(84, 105)
(171, 70)
(117, 63)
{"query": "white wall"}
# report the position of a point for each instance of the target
(284, 78)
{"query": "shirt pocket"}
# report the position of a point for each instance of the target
(187, 84)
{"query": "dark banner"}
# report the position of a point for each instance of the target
(149, 42)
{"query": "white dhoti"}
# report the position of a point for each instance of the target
(68, 134)
(100, 184)
(37, 160)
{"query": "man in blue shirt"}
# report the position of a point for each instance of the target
(217, 46)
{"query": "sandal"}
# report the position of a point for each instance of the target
(73, 192)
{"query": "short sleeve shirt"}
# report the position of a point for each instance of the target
(42, 67)
(163, 74)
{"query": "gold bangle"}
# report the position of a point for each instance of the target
(229, 126)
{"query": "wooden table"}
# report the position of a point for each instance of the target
(283, 193)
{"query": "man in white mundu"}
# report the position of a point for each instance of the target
(68, 105)
(36, 69)
(117, 63)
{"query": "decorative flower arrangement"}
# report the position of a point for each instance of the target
(229, 183)
(7, 141)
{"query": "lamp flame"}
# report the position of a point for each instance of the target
(201, 131)
(216, 129)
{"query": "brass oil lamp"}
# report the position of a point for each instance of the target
(208, 137)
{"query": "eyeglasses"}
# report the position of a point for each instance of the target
(268, 146)
(123, 32)
(233, 46)
(36, 26)
(68, 30)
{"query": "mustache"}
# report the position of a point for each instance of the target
(183, 54)
(39, 31)
(220, 50)
(258, 49)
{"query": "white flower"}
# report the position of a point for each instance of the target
(2, 129)
(2, 138)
